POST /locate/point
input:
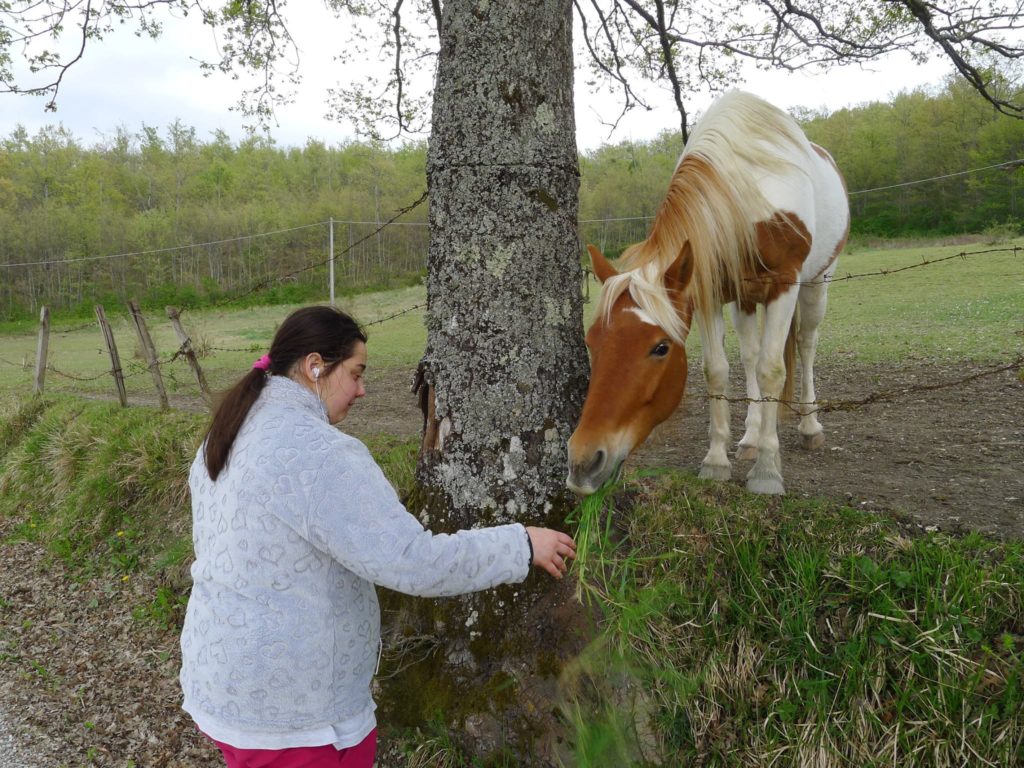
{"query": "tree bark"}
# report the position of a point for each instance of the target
(502, 380)
(504, 373)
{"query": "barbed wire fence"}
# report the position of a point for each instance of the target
(357, 258)
(168, 362)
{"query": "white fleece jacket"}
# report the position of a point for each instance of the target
(281, 634)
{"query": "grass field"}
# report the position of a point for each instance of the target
(227, 341)
(959, 309)
(970, 308)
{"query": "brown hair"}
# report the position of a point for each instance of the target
(324, 330)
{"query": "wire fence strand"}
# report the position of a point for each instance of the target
(962, 256)
(801, 408)
(796, 406)
(266, 283)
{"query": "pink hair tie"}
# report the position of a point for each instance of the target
(263, 364)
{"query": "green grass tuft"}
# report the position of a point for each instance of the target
(743, 631)
(592, 523)
(103, 487)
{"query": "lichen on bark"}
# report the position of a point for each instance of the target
(505, 367)
(502, 380)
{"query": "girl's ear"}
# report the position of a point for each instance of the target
(312, 366)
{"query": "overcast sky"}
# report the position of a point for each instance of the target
(127, 81)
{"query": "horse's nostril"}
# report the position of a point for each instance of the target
(596, 463)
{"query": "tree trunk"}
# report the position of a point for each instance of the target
(503, 377)
(504, 373)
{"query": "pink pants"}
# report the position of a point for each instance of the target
(361, 755)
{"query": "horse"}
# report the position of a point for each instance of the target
(755, 214)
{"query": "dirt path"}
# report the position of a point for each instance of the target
(951, 457)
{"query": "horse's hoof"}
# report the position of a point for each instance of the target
(715, 472)
(812, 442)
(765, 482)
(746, 452)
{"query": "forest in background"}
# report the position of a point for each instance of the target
(66, 208)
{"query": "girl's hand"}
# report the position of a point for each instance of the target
(552, 550)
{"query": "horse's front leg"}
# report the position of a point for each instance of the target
(716, 464)
(750, 347)
(766, 474)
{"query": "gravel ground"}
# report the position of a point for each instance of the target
(82, 683)
(12, 752)
(16, 736)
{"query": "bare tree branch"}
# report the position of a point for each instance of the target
(629, 98)
(436, 6)
(51, 105)
(698, 44)
(396, 14)
(658, 24)
(686, 46)
(958, 33)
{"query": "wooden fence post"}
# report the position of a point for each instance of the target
(186, 349)
(41, 349)
(149, 350)
(115, 360)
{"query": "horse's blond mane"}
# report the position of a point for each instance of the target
(713, 202)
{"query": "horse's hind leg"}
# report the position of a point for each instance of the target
(813, 299)
(750, 346)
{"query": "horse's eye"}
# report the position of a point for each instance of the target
(660, 349)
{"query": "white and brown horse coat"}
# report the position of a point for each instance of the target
(754, 214)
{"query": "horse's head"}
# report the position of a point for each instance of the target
(637, 372)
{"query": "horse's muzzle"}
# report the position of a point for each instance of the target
(587, 476)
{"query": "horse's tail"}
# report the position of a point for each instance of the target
(786, 398)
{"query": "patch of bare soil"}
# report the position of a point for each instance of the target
(83, 683)
(951, 457)
(80, 680)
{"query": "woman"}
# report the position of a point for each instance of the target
(293, 525)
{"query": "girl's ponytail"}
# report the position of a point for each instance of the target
(228, 417)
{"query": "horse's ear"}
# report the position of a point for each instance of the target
(602, 267)
(678, 275)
